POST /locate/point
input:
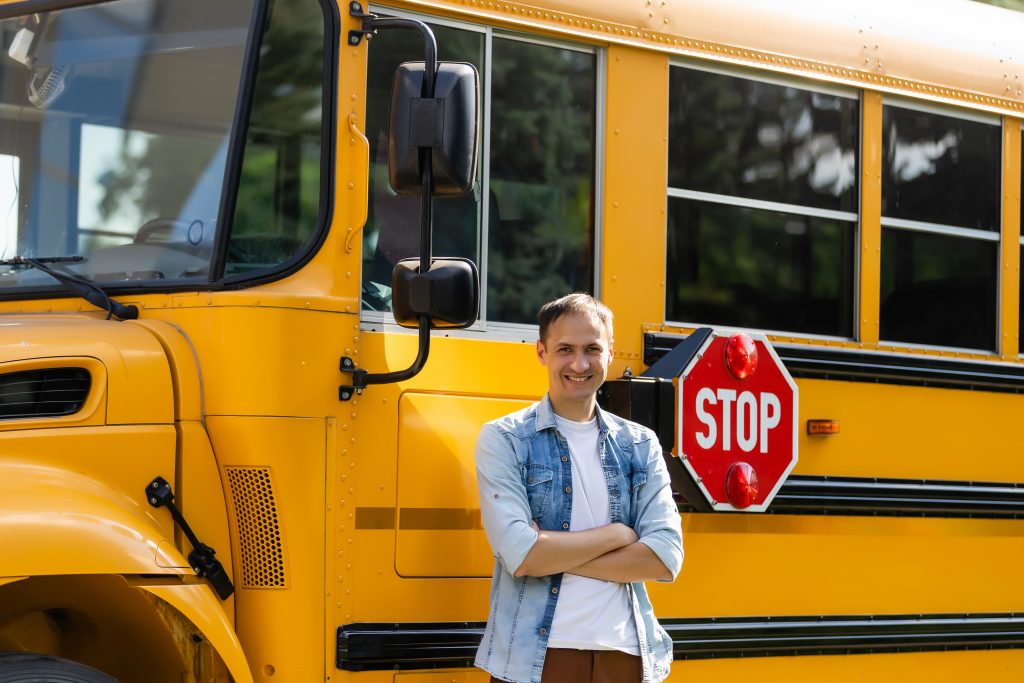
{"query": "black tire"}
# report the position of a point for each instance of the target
(20, 667)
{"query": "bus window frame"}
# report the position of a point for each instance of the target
(824, 88)
(950, 230)
(216, 281)
(383, 321)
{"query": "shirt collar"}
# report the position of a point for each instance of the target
(546, 416)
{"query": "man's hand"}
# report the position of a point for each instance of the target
(559, 551)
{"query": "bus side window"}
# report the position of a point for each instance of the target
(940, 228)
(762, 205)
(280, 205)
(537, 173)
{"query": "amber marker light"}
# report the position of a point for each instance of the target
(819, 427)
(741, 355)
(741, 485)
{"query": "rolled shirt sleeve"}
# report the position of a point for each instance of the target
(504, 507)
(657, 522)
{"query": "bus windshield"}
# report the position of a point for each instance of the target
(114, 128)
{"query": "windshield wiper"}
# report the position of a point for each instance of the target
(76, 284)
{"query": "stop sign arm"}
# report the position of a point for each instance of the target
(672, 363)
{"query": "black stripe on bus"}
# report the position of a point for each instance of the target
(803, 495)
(861, 366)
(378, 646)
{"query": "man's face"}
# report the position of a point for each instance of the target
(577, 352)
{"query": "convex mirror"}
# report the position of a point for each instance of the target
(447, 124)
(449, 293)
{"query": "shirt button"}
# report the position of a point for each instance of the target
(531, 480)
(554, 590)
(565, 525)
(568, 489)
(565, 459)
(543, 631)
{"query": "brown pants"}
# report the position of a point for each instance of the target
(589, 666)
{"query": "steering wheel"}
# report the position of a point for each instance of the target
(190, 233)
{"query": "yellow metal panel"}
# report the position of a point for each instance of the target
(897, 431)
(280, 627)
(635, 178)
(1009, 282)
(870, 217)
(438, 518)
(200, 495)
(742, 565)
(187, 378)
(267, 361)
(200, 606)
(64, 522)
(138, 380)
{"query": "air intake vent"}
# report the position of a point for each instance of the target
(50, 392)
(259, 533)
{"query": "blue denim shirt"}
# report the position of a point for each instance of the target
(524, 472)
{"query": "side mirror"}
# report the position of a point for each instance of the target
(449, 293)
(447, 124)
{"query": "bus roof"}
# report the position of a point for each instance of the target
(955, 51)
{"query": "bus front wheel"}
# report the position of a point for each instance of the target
(29, 668)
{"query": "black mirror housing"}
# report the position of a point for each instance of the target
(449, 293)
(447, 124)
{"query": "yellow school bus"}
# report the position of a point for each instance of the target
(207, 471)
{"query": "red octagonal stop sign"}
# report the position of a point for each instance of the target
(737, 421)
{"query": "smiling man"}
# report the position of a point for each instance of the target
(579, 513)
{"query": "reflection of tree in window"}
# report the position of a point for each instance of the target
(733, 143)
(392, 227)
(940, 169)
(542, 171)
(943, 172)
(740, 137)
(279, 199)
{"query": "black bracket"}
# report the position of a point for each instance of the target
(204, 564)
(355, 36)
(347, 391)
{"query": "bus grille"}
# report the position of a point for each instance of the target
(259, 532)
(49, 392)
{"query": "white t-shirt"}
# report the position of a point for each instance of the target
(590, 614)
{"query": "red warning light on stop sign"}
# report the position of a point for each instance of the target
(728, 418)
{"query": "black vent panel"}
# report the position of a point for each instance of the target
(49, 392)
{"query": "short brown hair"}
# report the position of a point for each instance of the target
(576, 303)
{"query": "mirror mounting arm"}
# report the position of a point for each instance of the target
(371, 24)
